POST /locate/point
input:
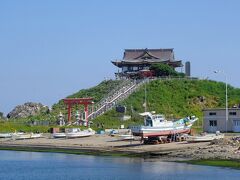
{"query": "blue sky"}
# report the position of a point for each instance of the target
(51, 49)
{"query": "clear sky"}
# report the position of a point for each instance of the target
(52, 48)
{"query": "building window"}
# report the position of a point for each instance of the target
(146, 68)
(212, 114)
(236, 122)
(213, 123)
(233, 113)
(135, 68)
(130, 68)
(124, 68)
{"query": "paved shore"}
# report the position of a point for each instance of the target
(104, 144)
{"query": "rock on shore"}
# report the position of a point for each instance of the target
(27, 109)
(217, 149)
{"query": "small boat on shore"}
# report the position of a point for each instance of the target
(77, 133)
(19, 136)
(125, 137)
(36, 135)
(59, 135)
(5, 135)
(205, 137)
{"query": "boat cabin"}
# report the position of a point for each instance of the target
(156, 120)
(72, 130)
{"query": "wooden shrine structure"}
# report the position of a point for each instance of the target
(82, 101)
(137, 62)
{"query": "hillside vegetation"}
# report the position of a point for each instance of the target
(97, 93)
(173, 97)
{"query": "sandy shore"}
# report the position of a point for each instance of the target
(104, 144)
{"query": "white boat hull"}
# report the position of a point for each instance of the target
(80, 134)
(146, 131)
(205, 138)
(58, 135)
(5, 135)
(20, 136)
(38, 135)
(125, 137)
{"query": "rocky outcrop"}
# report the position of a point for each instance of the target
(27, 109)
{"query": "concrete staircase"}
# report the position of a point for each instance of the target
(110, 101)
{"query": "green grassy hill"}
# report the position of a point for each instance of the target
(174, 98)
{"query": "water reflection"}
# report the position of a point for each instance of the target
(65, 166)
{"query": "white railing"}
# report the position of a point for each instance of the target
(109, 101)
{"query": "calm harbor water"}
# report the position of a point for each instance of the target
(35, 165)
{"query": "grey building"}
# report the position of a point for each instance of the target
(215, 120)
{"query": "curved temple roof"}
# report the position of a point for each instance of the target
(148, 56)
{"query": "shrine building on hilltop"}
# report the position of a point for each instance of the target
(137, 62)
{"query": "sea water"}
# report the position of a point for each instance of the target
(35, 165)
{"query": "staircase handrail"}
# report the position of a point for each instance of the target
(108, 102)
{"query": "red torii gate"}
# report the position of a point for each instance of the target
(71, 101)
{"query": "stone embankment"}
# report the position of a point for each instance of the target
(217, 149)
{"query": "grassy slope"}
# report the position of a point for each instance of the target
(6, 127)
(174, 98)
(97, 93)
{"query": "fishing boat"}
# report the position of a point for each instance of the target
(59, 135)
(5, 135)
(77, 133)
(19, 136)
(36, 135)
(157, 125)
(205, 137)
(125, 137)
